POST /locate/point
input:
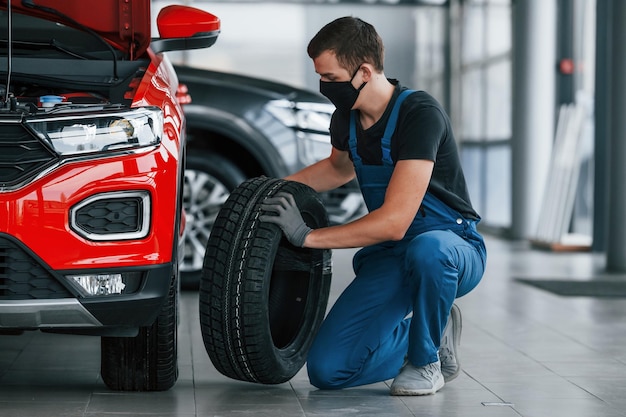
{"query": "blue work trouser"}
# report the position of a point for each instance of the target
(369, 330)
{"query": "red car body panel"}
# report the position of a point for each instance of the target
(41, 228)
(38, 214)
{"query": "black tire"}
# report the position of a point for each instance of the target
(262, 300)
(209, 179)
(148, 361)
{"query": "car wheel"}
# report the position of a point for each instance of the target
(148, 361)
(209, 179)
(262, 300)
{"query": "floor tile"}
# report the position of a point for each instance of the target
(524, 351)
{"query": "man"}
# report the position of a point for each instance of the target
(420, 248)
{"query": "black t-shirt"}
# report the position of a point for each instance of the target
(423, 131)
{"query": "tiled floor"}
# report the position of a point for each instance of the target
(525, 352)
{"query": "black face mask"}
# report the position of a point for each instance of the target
(341, 93)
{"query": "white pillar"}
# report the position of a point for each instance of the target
(533, 119)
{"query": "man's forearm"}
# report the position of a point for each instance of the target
(322, 176)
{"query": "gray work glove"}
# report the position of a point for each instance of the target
(287, 217)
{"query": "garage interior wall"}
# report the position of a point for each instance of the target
(424, 48)
(462, 53)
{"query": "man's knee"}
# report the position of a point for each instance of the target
(324, 375)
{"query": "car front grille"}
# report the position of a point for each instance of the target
(22, 155)
(22, 277)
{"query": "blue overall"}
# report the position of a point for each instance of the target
(401, 296)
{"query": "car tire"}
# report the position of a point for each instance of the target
(209, 179)
(262, 299)
(148, 361)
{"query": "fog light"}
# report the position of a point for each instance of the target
(101, 284)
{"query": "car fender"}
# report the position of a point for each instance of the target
(270, 157)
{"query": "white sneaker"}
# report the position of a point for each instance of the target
(412, 380)
(450, 364)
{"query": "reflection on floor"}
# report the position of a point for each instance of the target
(525, 351)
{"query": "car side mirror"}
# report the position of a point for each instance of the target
(184, 27)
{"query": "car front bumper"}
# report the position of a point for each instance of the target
(102, 315)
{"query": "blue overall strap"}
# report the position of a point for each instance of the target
(352, 138)
(389, 129)
(385, 142)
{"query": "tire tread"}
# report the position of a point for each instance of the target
(234, 287)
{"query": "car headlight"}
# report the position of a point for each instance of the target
(311, 121)
(102, 132)
(310, 118)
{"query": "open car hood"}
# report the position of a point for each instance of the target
(125, 24)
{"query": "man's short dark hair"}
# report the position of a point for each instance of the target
(353, 41)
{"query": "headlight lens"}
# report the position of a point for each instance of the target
(102, 132)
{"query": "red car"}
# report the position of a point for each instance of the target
(91, 175)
